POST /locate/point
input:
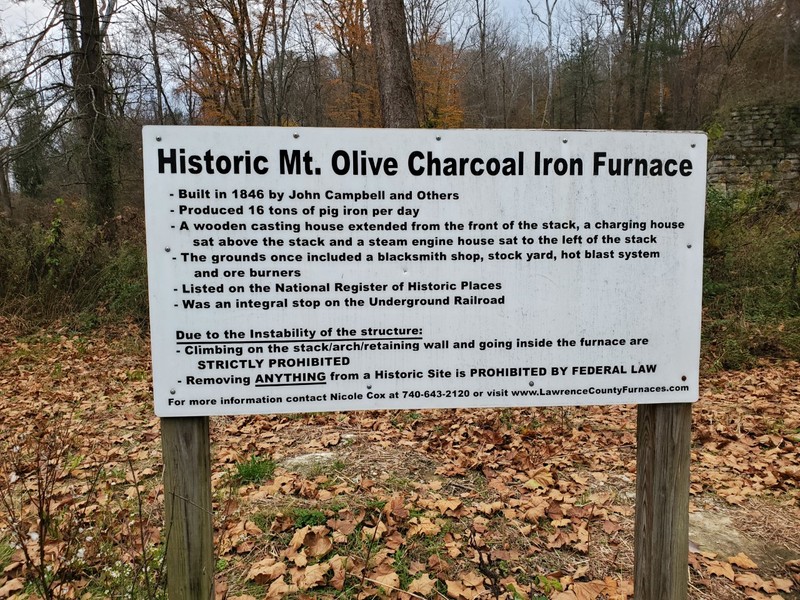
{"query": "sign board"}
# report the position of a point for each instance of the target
(295, 269)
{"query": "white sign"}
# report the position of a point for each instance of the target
(297, 270)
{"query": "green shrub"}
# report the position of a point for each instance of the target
(751, 300)
(56, 268)
(120, 284)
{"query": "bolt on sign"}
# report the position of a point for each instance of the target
(296, 270)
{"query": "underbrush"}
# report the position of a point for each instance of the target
(68, 525)
(751, 299)
(54, 268)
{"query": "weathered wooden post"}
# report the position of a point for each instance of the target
(188, 518)
(661, 545)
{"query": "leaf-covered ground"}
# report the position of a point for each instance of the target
(462, 504)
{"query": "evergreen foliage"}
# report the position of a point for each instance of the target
(30, 165)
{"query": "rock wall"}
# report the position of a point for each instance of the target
(757, 144)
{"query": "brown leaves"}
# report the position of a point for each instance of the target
(339, 566)
(754, 584)
(266, 570)
(279, 588)
(457, 590)
(721, 569)
(539, 490)
(593, 590)
(423, 526)
(422, 585)
(386, 580)
(318, 542)
(312, 576)
(743, 561)
(588, 591)
(11, 586)
(330, 439)
(307, 542)
(451, 507)
(541, 478)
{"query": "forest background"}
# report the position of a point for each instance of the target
(77, 84)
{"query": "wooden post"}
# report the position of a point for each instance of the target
(189, 533)
(661, 544)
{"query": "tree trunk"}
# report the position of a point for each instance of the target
(481, 15)
(5, 189)
(242, 24)
(151, 12)
(91, 100)
(395, 78)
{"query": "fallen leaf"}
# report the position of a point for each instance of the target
(388, 581)
(541, 478)
(373, 533)
(448, 507)
(279, 589)
(338, 579)
(341, 566)
(245, 547)
(345, 523)
(299, 558)
(299, 537)
(791, 471)
(422, 585)
(721, 569)
(536, 512)
(460, 592)
(331, 439)
(11, 586)
(580, 572)
(610, 527)
(743, 561)
(313, 575)
(318, 543)
(752, 580)
(396, 507)
(424, 527)
(472, 579)
(588, 591)
(266, 570)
